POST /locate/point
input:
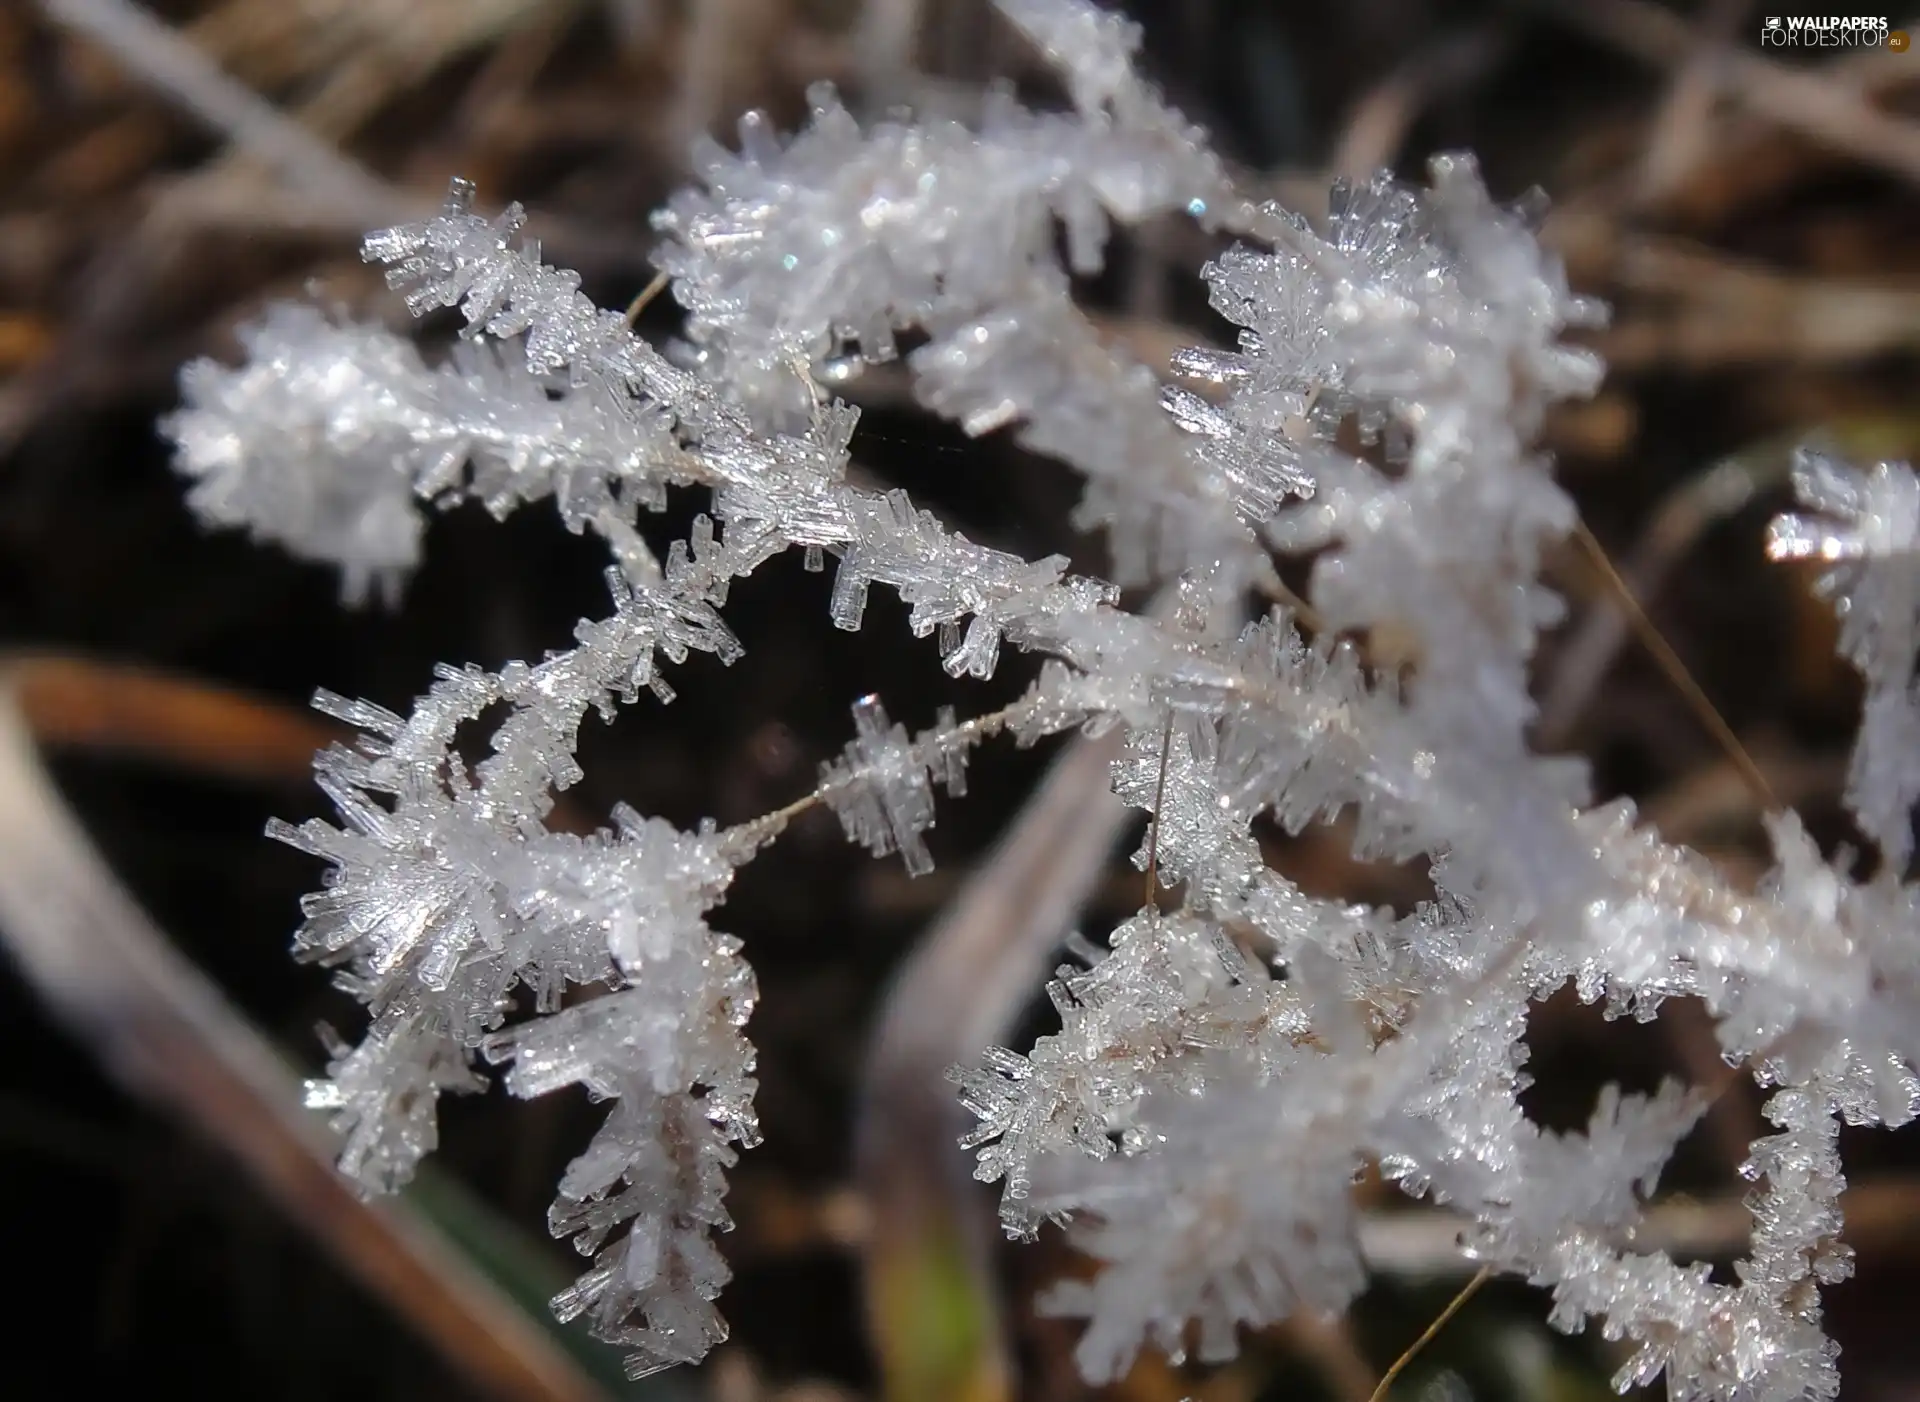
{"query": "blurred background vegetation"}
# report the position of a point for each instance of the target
(1751, 214)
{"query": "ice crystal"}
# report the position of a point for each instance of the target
(883, 787)
(1866, 527)
(1225, 1066)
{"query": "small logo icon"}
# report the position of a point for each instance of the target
(1898, 41)
(1773, 21)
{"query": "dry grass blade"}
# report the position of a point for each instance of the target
(1712, 310)
(1329, 1344)
(1678, 521)
(1883, 1217)
(644, 297)
(72, 703)
(960, 991)
(1454, 1306)
(105, 970)
(1675, 670)
(885, 38)
(169, 62)
(1375, 130)
(1823, 109)
(1681, 139)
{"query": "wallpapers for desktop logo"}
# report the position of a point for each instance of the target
(1832, 32)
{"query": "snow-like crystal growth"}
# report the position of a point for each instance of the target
(802, 261)
(883, 787)
(1866, 527)
(332, 435)
(1222, 1070)
(317, 383)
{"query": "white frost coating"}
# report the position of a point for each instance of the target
(800, 261)
(883, 787)
(1220, 1073)
(1866, 526)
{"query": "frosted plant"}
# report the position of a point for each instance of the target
(1224, 1067)
(1868, 528)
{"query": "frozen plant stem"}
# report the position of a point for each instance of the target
(1223, 1068)
(1427, 1335)
(1676, 671)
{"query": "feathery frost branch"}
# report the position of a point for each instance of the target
(1195, 1121)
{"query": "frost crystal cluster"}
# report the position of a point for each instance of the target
(1223, 1070)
